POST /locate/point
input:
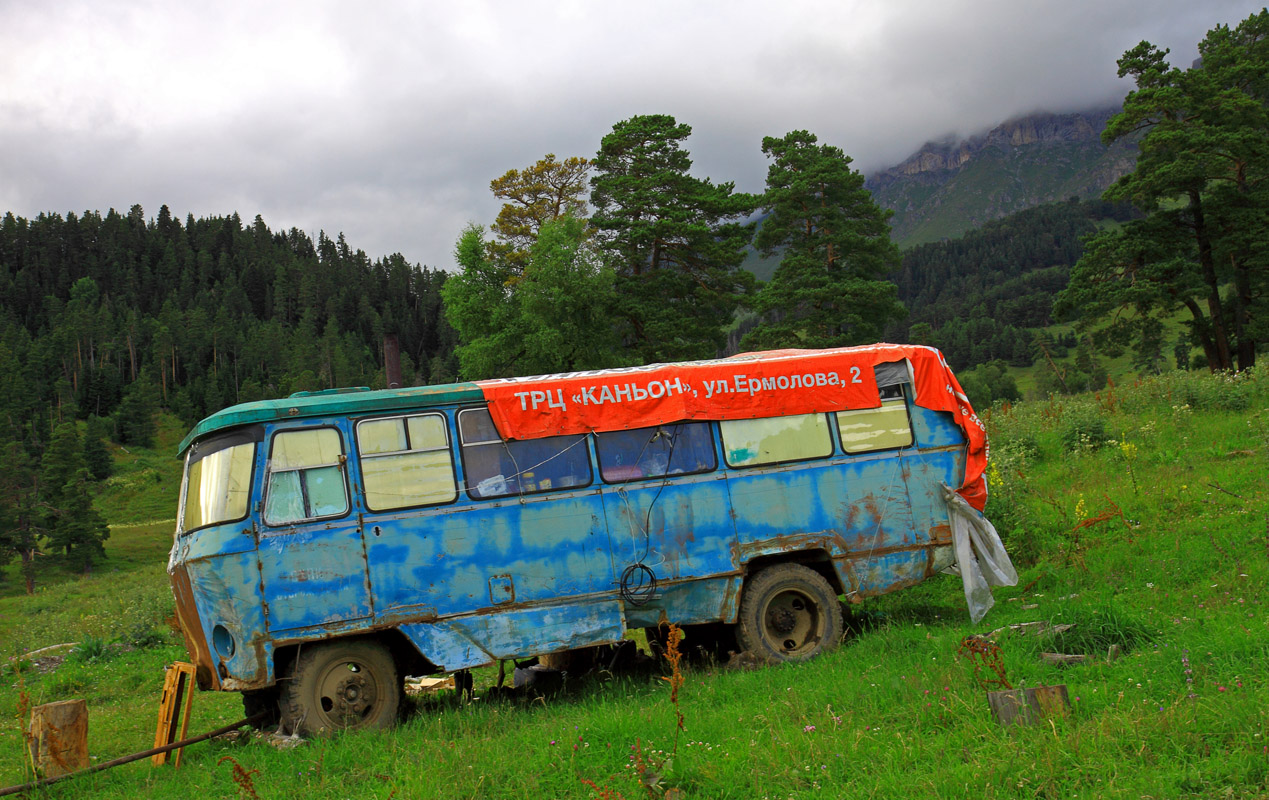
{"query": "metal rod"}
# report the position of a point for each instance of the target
(251, 720)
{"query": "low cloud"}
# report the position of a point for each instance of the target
(387, 122)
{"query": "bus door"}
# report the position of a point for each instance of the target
(312, 561)
(666, 502)
(509, 523)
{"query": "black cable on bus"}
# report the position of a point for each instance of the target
(638, 584)
(669, 460)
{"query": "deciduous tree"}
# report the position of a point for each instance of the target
(535, 196)
(554, 316)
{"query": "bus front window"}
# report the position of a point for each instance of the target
(217, 485)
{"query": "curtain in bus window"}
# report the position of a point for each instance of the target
(497, 468)
(882, 428)
(381, 436)
(306, 478)
(218, 487)
(771, 440)
(295, 449)
(679, 449)
(286, 500)
(405, 462)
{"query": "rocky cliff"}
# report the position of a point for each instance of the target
(948, 187)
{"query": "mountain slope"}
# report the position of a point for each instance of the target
(949, 187)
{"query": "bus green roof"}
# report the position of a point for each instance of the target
(332, 402)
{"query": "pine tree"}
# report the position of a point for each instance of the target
(21, 523)
(829, 289)
(675, 240)
(96, 456)
(63, 459)
(78, 529)
(134, 421)
(1202, 179)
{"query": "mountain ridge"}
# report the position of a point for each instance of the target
(949, 186)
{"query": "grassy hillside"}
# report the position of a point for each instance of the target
(1142, 516)
(996, 183)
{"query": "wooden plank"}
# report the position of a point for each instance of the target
(1010, 707)
(1030, 705)
(1052, 701)
(59, 737)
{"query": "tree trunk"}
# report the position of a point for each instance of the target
(1242, 313)
(1216, 315)
(1204, 333)
(28, 569)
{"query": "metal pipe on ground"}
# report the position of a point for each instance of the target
(26, 787)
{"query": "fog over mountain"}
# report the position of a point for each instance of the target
(388, 121)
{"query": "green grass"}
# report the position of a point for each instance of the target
(1175, 573)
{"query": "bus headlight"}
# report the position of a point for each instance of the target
(223, 641)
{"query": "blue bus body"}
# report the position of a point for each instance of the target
(466, 580)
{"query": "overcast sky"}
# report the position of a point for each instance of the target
(387, 120)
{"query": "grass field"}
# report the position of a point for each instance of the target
(1141, 515)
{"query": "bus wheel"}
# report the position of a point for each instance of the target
(341, 685)
(788, 613)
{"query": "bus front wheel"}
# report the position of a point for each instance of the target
(341, 685)
(788, 613)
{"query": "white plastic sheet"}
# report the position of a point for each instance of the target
(981, 560)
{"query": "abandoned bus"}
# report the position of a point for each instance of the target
(333, 542)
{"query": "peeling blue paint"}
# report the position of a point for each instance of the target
(471, 581)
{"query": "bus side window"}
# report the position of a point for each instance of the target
(498, 468)
(679, 449)
(306, 477)
(406, 462)
(885, 428)
(773, 440)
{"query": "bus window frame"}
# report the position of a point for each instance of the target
(833, 443)
(907, 411)
(449, 448)
(253, 435)
(467, 486)
(713, 449)
(342, 463)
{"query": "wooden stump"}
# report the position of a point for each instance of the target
(1028, 706)
(59, 737)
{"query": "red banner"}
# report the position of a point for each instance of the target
(768, 384)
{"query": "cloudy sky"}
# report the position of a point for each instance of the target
(387, 120)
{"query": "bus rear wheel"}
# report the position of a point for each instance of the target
(341, 685)
(788, 613)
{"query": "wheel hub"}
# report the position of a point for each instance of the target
(353, 696)
(783, 620)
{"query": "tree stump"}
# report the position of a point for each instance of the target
(59, 737)
(1029, 706)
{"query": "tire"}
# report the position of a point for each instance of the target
(339, 686)
(788, 613)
